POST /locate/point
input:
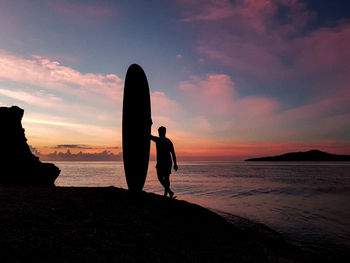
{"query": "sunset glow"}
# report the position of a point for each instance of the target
(229, 79)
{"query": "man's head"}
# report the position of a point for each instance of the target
(161, 131)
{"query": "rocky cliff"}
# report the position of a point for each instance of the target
(17, 163)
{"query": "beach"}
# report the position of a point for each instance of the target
(100, 224)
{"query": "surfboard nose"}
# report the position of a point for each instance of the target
(135, 68)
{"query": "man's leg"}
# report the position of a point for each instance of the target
(161, 179)
(167, 185)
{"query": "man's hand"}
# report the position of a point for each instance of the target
(175, 167)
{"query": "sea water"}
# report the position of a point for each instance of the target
(308, 202)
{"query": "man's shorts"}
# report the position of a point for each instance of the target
(163, 169)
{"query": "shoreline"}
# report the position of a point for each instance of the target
(113, 224)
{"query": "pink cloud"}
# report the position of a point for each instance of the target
(92, 97)
(250, 14)
(90, 102)
(165, 111)
(213, 93)
(229, 115)
(254, 107)
(216, 94)
(79, 116)
(325, 50)
(249, 36)
(48, 101)
(45, 73)
(162, 104)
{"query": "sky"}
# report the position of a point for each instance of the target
(229, 79)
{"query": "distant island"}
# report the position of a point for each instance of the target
(313, 155)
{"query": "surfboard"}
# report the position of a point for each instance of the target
(136, 127)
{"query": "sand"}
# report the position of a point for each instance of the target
(108, 224)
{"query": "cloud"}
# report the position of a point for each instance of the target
(84, 147)
(324, 51)
(269, 40)
(86, 129)
(213, 93)
(72, 146)
(228, 114)
(90, 103)
(272, 49)
(256, 107)
(216, 95)
(257, 15)
(219, 112)
(42, 72)
(80, 156)
(46, 129)
(48, 75)
(113, 147)
(39, 98)
(162, 105)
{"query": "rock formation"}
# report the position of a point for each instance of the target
(17, 163)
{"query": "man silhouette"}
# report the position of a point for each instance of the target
(164, 163)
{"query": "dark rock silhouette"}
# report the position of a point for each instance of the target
(313, 155)
(108, 224)
(17, 163)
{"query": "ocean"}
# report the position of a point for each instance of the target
(308, 202)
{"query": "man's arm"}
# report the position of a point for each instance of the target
(153, 138)
(172, 151)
